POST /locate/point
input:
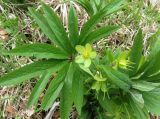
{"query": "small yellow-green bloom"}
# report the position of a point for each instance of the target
(98, 77)
(85, 54)
(125, 64)
(100, 83)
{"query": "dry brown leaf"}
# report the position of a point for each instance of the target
(3, 34)
(10, 109)
(29, 112)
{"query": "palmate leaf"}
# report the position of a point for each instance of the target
(73, 26)
(136, 52)
(91, 23)
(78, 89)
(39, 88)
(115, 108)
(154, 78)
(117, 78)
(144, 85)
(143, 64)
(137, 98)
(114, 6)
(30, 71)
(107, 104)
(88, 26)
(153, 66)
(86, 5)
(154, 41)
(66, 99)
(54, 89)
(151, 101)
(57, 27)
(39, 51)
(92, 6)
(139, 113)
(42, 23)
(96, 5)
(100, 33)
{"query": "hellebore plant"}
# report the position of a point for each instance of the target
(58, 59)
(115, 84)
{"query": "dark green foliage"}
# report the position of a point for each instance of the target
(117, 84)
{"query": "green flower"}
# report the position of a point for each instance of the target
(125, 64)
(100, 83)
(85, 54)
(98, 77)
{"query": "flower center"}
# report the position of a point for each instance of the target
(123, 62)
(86, 55)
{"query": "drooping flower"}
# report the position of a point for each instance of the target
(100, 83)
(85, 54)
